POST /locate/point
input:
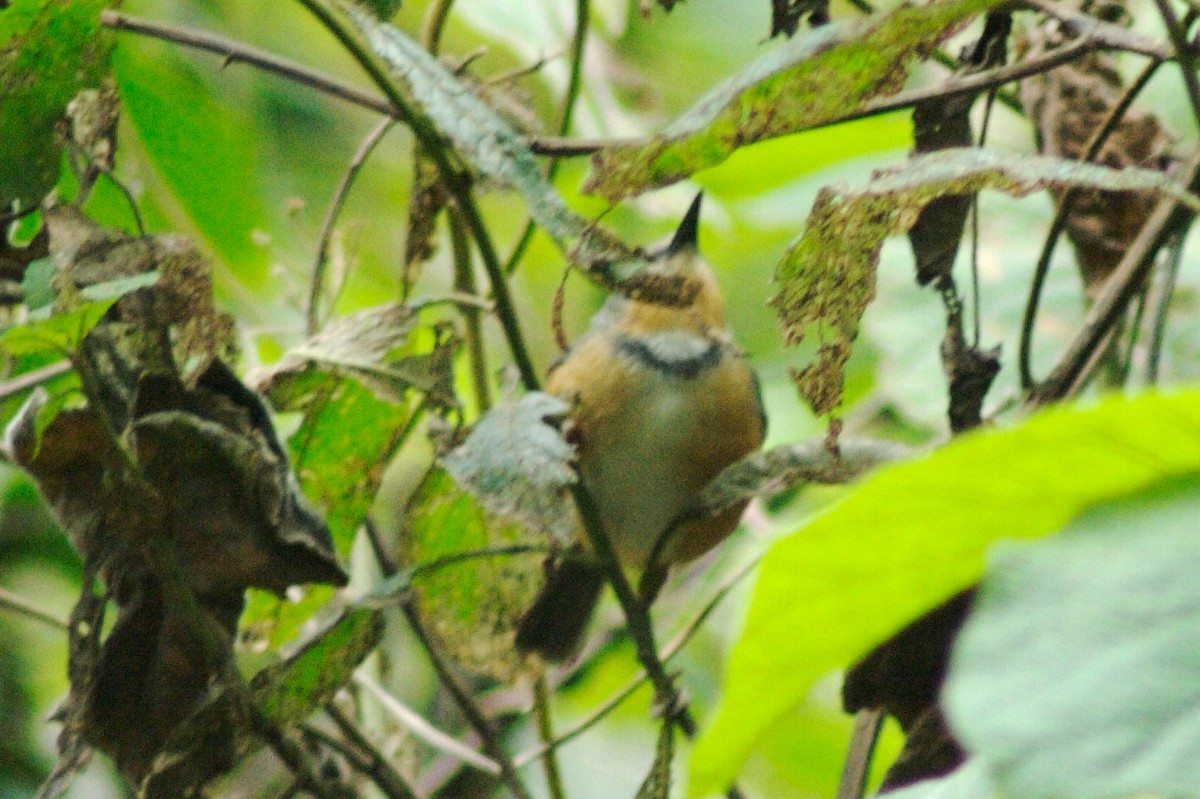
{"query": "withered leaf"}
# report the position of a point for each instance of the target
(827, 277)
(517, 464)
(810, 81)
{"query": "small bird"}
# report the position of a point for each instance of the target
(662, 401)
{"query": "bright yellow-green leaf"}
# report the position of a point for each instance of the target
(916, 533)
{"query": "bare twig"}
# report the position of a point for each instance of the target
(362, 755)
(464, 282)
(853, 783)
(1059, 224)
(21, 382)
(233, 52)
(317, 287)
(292, 754)
(23, 606)
(545, 727)
(669, 651)
(461, 695)
(1184, 53)
(1158, 301)
(423, 730)
(574, 83)
(1118, 289)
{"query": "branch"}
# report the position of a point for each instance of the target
(1090, 151)
(1124, 282)
(234, 52)
(24, 607)
(331, 214)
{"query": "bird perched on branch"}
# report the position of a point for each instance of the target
(662, 401)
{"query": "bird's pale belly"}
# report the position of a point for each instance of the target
(645, 464)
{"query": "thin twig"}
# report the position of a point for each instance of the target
(233, 52)
(291, 753)
(379, 769)
(1184, 54)
(545, 728)
(1120, 286)
(424, 731)
(666, 654)
(461, 695)
(15, 385)
(435, 148)
(1058, 225)
(464, 283)
(1158, 301)
(25, 607)
(317, 287)
(853, 782)
(574, 84)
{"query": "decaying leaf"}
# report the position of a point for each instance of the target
(803, 84)
(493, 146)
(1068, 105)
(517, 464)
(356, 385)
(376, 348)
(827, 277)
(174, 488)
(940, 125)
(500, 153)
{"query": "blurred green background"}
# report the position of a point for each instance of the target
(246, 163)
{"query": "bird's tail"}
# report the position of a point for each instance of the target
(554, 626)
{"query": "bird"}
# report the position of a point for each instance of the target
(661, 401)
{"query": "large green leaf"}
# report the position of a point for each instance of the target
(49, 50)
(913, 535)
(1078, 673)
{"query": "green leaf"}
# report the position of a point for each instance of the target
(60, 334)
(827, 278)
(289, 692)
(36, 285)
(1078, 673)
(49, 50)
(913, 535)
(474, 603)
(812, 80)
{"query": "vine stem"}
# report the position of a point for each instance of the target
(317, 284)
(455, 181)
(1090, 151)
